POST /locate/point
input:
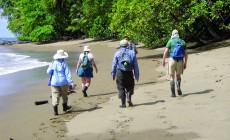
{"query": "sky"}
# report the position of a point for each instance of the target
(4, 32)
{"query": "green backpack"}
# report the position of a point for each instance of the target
(85, 62)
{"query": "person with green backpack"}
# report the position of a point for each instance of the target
(84, 69)
(178, 56)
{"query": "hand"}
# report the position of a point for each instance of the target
(185, 65)
(73, 86)
(113, 78)
(96, 70)
(163, 63)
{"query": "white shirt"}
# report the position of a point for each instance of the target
(90, 56)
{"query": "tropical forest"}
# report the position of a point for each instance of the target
(147, 21)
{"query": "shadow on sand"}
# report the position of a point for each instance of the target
(199, 92)
(104, 94)
(84, 109)
(150, 103)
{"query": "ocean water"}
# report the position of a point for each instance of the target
(7, 39)
(19, 68)
(11, 62)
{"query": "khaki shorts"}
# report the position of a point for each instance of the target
(59, 91)
(175, 66)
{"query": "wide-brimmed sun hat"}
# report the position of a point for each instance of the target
(175, 34)
(124, 43)
(86, 49)
(60, 54)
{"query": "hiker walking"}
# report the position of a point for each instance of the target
(84, 68)
(177, 60)
(124, 62)
(131, 46)
(60, 81)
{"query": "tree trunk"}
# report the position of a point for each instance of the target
(210, 29)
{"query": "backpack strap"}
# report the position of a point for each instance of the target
(174, 40)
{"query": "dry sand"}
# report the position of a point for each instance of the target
(202, 112)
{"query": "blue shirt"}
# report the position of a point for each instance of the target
(115, 65)
(61, 73)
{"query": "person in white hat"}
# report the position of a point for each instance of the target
(60, 81)
(178, 56)
(123, 66)
(84, 69)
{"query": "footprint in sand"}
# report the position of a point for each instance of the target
(35, 134)
(169, 125)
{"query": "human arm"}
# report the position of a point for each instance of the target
(50, 69)
(185, 58)
(136, 68)
(78, 65)
(114, 66)
(165, 54)
(135, 49)
(68, 76)
(94, 65)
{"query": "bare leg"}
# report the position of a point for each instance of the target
(83, 86)
(86, 86)
(88, 81)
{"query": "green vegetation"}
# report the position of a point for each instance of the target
(146, 21)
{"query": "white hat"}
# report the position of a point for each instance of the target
(175, 34)
(124, 43)
(86, 49)
(60, 54)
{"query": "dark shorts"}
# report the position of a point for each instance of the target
(87, 73)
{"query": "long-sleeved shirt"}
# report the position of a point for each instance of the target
(61, 73)
(115, 65)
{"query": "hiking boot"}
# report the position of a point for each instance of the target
(55, 110)
(84, 93)
(66, 108)
(130, 103)
(129, 97)
(173, 95)
(179, 92)
(178, 83)
(172, 86)
(122, 106)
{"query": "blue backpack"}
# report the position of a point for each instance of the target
(125, 62)
(131, 46)
(85, 62)
(178, 51)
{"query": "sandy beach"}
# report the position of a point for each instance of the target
(202, 113)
